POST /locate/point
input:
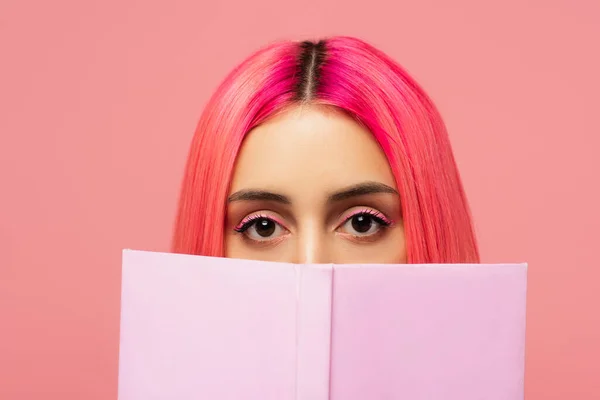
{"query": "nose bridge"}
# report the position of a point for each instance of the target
(312, 244)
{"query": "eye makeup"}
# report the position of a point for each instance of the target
(377, 216)
(249, 220)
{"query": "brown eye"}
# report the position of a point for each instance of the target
(264, 227)
(261, 228)
(365, 223)
(362, 223)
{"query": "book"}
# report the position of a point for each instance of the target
(195, 327)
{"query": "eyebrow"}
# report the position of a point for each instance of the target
(357, 190)
(361, 189)
(258, 195)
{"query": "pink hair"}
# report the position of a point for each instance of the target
(352, 76)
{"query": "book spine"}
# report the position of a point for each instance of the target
(313, 332)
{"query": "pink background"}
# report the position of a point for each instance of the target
(99, 99)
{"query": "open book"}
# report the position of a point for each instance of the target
(208, 328)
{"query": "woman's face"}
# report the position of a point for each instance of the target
(313, 186)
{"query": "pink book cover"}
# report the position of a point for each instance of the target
(197, 327)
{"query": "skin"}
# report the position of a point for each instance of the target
(312, 186)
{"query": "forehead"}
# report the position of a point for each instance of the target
(309, 151)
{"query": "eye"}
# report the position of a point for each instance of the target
(260, 228)
(364, 223)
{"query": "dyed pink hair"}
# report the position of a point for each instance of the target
(354, 77)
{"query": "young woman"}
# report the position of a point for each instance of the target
(325, 152)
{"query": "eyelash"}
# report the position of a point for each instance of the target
(247, 222)
(376, 215)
